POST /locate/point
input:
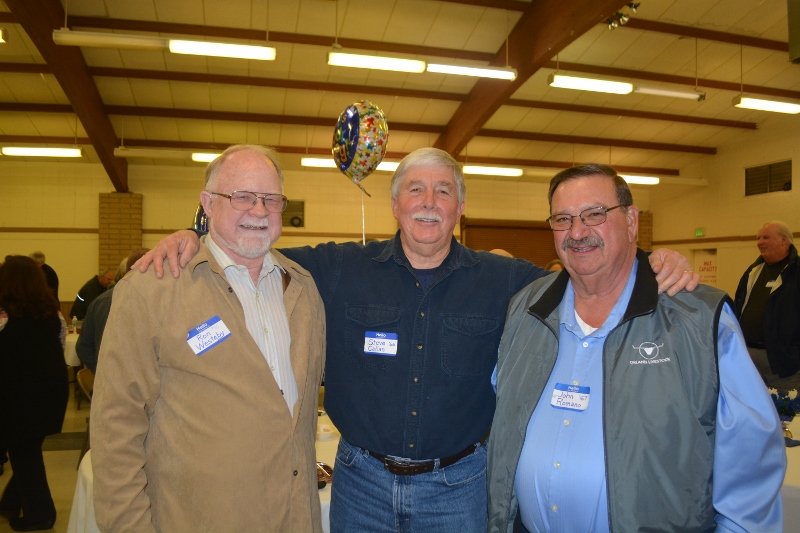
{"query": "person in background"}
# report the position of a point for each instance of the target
(90, 290)
(619, 409)
(768, 307)
(49, 274)
(204, 410)
(88, 345)
(33, 389)
(414, 324)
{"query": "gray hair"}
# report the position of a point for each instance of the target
(783, 229)
(37, 256)
(430, 157)
(270, 154)
(624, 196)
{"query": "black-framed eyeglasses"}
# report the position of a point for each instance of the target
(594, 216)
(246, 200)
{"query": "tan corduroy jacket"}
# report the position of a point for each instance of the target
(188, 443)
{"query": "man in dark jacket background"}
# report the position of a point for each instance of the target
(768, 307)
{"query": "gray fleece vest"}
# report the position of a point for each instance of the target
(661, 385)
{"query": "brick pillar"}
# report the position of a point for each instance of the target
(645, 237)
(120, 227)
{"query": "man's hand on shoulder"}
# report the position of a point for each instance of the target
(673, 272)
(178, 249)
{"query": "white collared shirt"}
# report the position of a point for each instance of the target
(264, 314)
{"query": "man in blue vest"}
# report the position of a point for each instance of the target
(619, 409)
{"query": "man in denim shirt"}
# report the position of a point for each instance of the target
(413, 329)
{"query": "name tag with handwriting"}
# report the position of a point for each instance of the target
(207, 335)
(570, 397)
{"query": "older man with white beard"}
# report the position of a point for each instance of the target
(199, 420)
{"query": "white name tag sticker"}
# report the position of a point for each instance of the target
(380, 343)
(570, 397)
(207, 335)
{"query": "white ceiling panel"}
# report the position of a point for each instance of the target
(225, 131)
(165, 129)
(407, 26)
(187, 95)
(228, 97)
(17, 124)
(152, 93)
(115, 91)
(268, 100)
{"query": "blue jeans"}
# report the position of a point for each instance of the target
(365, 497)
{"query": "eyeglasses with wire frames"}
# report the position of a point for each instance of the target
(246, 200)
(594, 216)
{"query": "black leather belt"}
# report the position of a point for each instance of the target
(404, 468)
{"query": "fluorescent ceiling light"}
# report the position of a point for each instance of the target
(689, 95)
(492, 171)
(204, 157)
(640, 180)
(27, 151)
(589, 84)
(318, 162)
(342, 59)
(204, 48)
(498, 73)
(321, 162)
(3, 38)
(388, 166)
(67, 37)
(766, 105)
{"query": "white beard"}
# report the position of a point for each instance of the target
(250, 247)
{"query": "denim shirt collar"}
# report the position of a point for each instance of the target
(459, 256)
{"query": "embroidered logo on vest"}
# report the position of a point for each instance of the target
(649, 352)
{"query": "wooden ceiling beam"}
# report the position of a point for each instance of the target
(39, 18)
(596, 141)
(708, 35)
(543, 30)
(112, 72)
(300, 150)
(274, 36)
(669, 78)
(615, 111)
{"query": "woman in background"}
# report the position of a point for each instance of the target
(33, 389)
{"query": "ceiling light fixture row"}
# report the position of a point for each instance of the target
(618, 87)
(337, 58)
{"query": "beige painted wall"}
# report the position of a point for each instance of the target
(65, 195)
(722, 208)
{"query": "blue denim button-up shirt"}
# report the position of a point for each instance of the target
(434, 397)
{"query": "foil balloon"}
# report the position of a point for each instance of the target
(200, 219)
(359, 140)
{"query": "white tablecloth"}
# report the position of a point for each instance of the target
(81, 517)
(70, 355)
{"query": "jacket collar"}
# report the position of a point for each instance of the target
(792, 258)
(458, 256)
(643, 300)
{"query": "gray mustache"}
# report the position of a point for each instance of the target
(569, 242)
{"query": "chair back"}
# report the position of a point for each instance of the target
(85, 378)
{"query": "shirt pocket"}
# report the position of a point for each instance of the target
(469, 345)
(362, 318)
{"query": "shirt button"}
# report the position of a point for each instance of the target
(419, 346)
(272, 368)
(266, 330)
(585, 344)
(417, 284)
(411, 445)
(294, 473)
(413, 413)
(554, 507)
(416, 380)
(422, 313)
(566, 422)
(557, 464)
(575, 382)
